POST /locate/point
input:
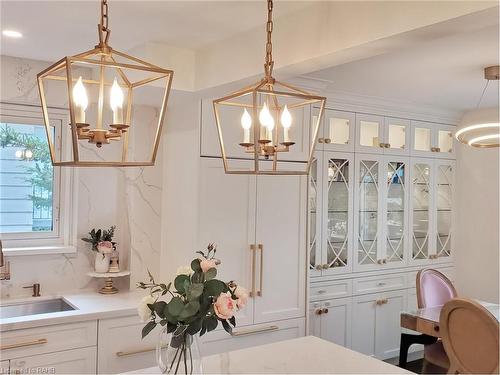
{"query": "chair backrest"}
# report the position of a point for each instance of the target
(433, 288)
(470, 337)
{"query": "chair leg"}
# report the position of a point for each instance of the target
(425, 366)
(452, 369)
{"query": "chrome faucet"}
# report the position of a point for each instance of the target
(4, 266)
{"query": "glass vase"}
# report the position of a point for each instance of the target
(178, 352)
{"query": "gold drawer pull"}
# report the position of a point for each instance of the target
(252, 292)
(132, 352)
(261, 248)
(23, 344)
(255, 330)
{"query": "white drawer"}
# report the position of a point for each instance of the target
(328, 290)
(75, 361)
(376, 284)
(53, 338)
(220, 341)
(121, 348)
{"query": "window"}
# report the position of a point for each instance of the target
(35, 198)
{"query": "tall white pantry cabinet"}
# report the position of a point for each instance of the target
(380, 208)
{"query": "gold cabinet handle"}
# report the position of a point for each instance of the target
(378, 302)
(381, 284)
(379, 261)
(321, 291)
(319, 267)
(326, 266)
(132, 352)
(261, 248)
(381, 145)
(23, 344)
(384, 261)
(254, 330)
(438, 149)
(252, 292)
(387, 145)
(328, 140)
(318, 312)
(321, 140)
(325, 311)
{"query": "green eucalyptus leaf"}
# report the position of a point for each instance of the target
(190, 309)
(171, 327)
(194, 327)
(211, 273)
(211, 323)
(215, 287)
(195, 265)
(198, 277)
(226, 326)
(179, 283)
(175, 306)
(194, 291)
(232, 320)
(148, 328)
(159, 307)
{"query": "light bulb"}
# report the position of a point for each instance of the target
(80, 95)
(246, 120)
(266, 119)
(116, 103)
(28, 154)
(286, 118)
(19, 154)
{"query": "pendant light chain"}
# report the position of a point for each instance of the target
(268, 66)
(103, 25)
(482, 94)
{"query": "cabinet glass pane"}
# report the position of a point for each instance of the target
(397, 136)
(338, 204)
(313, 204)
(368, 210)
(421, 201)
(337, 130)
(368, 133)
(443, 205)
(422, 139)
(395, 211)
(445, 140)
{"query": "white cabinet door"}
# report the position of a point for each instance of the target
(336, 321)
(281, 247)
(443, 208)
(227, 218)
(130, 352)
(422, 138)
(75, 361)
(337, 212)
(315, 211)
(4, 367)
(387, 324)
(315, 319)
(444, 141)
(364, 317)
(338, 131)
(396, 136)
(369, 133)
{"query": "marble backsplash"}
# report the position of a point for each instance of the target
(129, 198)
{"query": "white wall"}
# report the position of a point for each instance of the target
(477, 223)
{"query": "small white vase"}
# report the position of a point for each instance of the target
(101, 264)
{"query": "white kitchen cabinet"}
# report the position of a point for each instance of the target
(380, 211)
(396, 136)
(4, 367)
(75, 361)
(382, 135)
(337, 131)
(129, 352)
(331, 214)
(432, 140)
(331, 320)
(431, 207)
(376, 323)
(259, 226)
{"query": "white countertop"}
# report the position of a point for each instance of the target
(89, 306)
(305, 355)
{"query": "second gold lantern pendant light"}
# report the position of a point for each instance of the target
(268, 112)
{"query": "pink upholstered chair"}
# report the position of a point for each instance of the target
(434, 289)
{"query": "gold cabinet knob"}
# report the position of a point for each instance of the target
(381, 145)
(328, 140)
(379, 261)
(325, 311)
(319, 267)
(319, 312)
(326, 266)
(387, 145)
(384, 261)
(321, 140)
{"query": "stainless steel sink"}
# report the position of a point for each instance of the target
(34, 307)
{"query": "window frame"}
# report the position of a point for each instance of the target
(62, 238)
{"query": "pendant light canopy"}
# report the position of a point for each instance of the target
(481, 128)
(263, 126)
(102, 86)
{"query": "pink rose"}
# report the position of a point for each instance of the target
(224, 307)
(105, 247)
(242, 295)
(206, 264)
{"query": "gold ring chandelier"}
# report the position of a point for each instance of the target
(100, 86)
(482, 134)
(278, 129)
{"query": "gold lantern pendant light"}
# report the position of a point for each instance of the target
(113, 80)
(268, 111)
(475, 131)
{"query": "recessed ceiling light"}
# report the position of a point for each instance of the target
(12, 33)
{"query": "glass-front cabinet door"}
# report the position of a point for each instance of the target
(315, 212)
(337, 205)
(444, 141)
(369, 133)
(338, 131)
(444, 171)
(421, 217)
(432, 140)
(396, 136)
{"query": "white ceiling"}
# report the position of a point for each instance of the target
(444, 72)
(63, 28)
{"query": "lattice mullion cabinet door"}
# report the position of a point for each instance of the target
(338, 130)
(367, 212)
(396, 136)
(443, 212)
(394, 213)
(338, 177)
(421, 218)
(369, 133)
(315, 215)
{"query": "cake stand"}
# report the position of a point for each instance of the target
(108, 287)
